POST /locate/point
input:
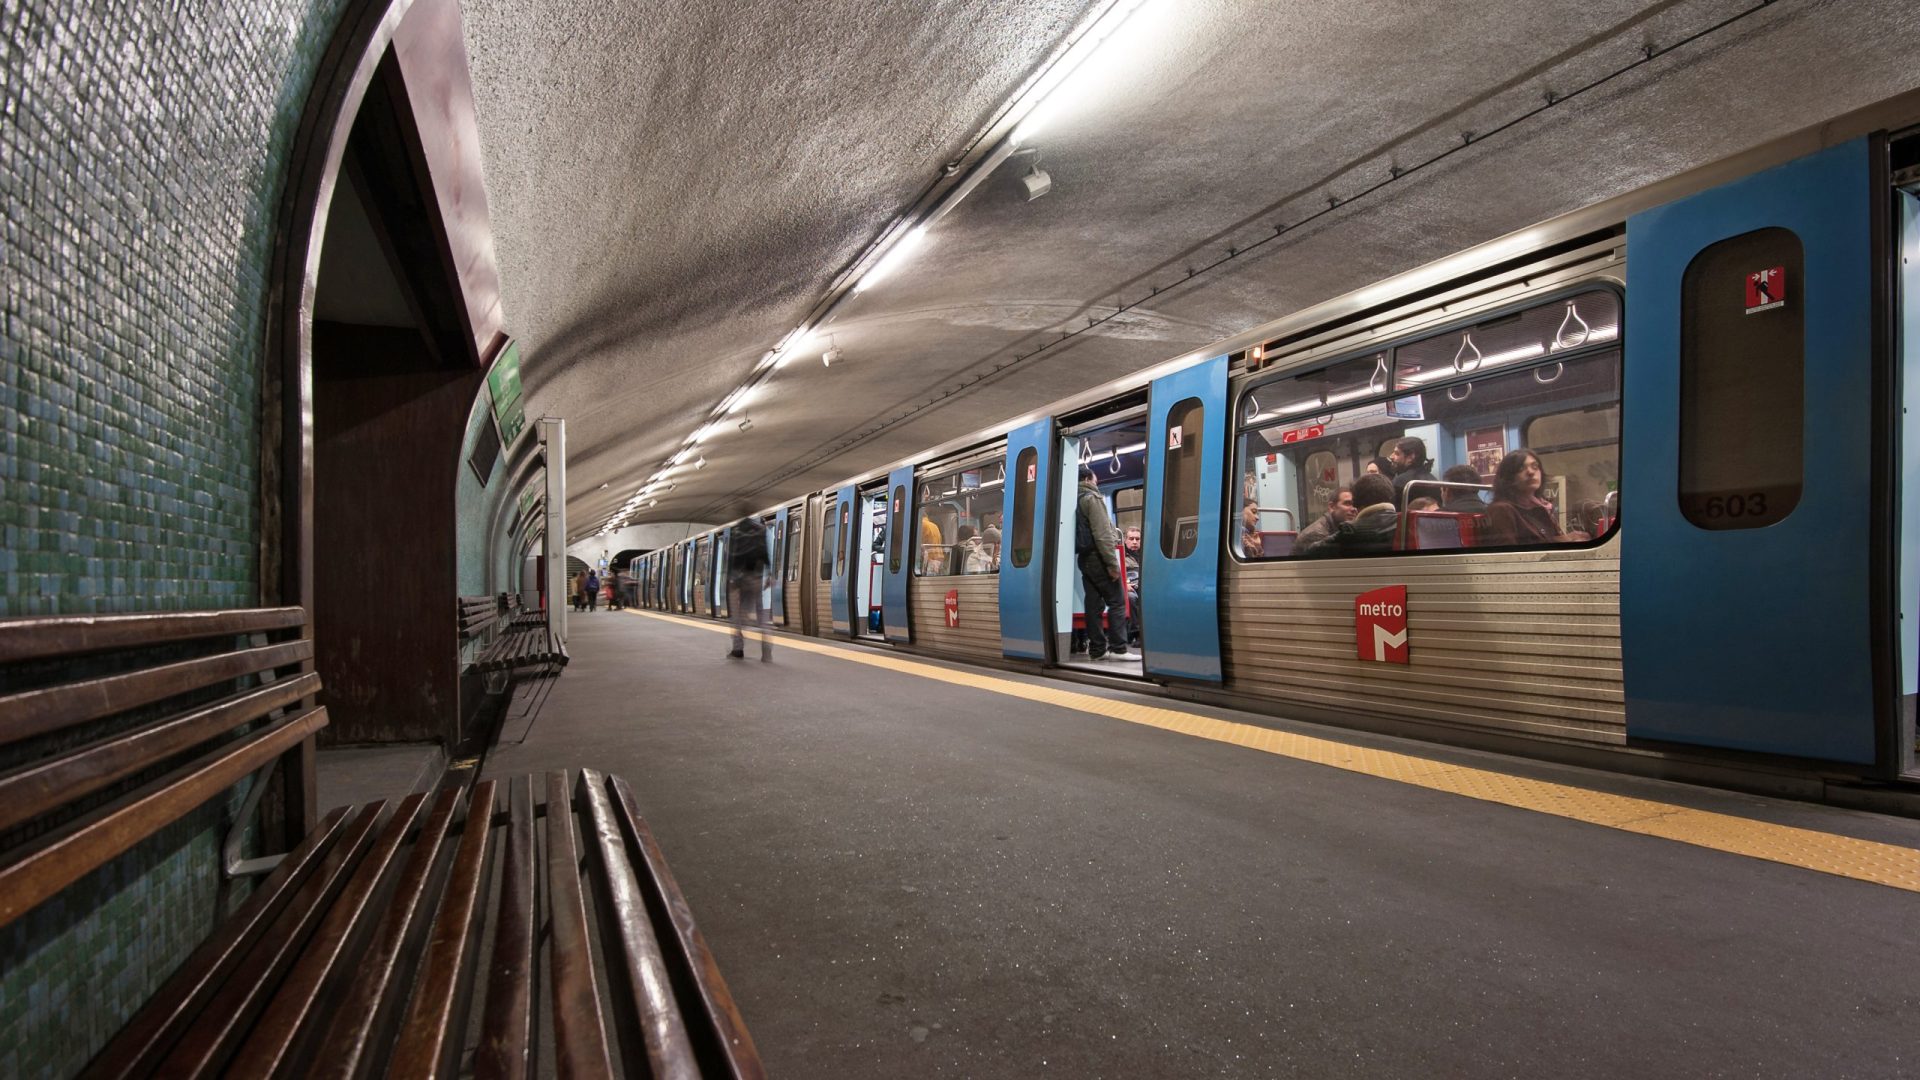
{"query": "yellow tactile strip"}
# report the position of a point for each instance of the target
(1845, 856)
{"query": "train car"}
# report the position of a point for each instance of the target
(1630, 481)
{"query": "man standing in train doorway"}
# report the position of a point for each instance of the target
(746, 585)
(1095, 547)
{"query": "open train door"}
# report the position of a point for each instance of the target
(1180, 571)
(777, 567)
(1753, 605)
(843, 565)
(1023, 559)
(899, 558)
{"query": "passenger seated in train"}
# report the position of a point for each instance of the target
(1460, 500)
(1409, 461)
(1340, 511)
(1423, 502)
(1379, 467)
(1130, 553)
(1518, 514)
(990, 540)
(969, 554)
(1373, 524)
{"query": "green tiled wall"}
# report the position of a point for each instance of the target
(143, 149)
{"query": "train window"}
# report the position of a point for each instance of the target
(1180, 479)
(826, 542)
(840, 548)
(1025, 471)
(959, 516)
(1539, 386)
(1320, 390)
(895, 517)
(795, 541)
(1742, 377)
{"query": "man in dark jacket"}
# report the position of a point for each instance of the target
(1462, 500)
(1094, 544)
(1372, 527)
(746, 585)
(1410, 462)
(1324, 528)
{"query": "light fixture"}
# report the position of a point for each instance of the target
(655, 502)
(1048, 100)
(901, 251)
(700, 463)
(1037, 182)
(746, 423)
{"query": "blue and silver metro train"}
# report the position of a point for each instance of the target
(1647, 494)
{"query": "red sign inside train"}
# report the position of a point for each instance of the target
(1311, 431)
(953, 607)
(1766, 289)
(1380, 624)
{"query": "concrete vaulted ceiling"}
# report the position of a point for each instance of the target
(675, 186)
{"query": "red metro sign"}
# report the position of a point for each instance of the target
(1380, 624)
(953, 607)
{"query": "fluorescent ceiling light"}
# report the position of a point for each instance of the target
(901, 251)
(1074, 82)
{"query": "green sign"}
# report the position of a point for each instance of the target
(503, 384)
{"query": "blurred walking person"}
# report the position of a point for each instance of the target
(746, 585)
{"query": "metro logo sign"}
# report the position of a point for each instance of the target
(1380, 624)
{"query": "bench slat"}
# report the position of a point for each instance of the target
(64, 856)
(36, 712)
(371, 1008)
(46, 785)
(39, 637)
(152, 1031)
(657, 1021)
(297, 1005)
(506, 1038)
(580, 1036)
(217, 1029)
(429, 1041)
(742, 1058)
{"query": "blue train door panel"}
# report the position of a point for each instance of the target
(1180, 573)
(899, 555)
(1023, 559)
(1746, 579)
(777, 566)
(843, 562)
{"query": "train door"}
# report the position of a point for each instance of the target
(1023, 562)
(703, 576)
(1114, 448)
(845, 565)
(722, 543)
(869, 551)
(777, 542)
(1907, 656)
(1186, 481)
(1751, 594)
(898, 561)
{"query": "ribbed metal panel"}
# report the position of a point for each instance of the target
(978, 635)
(1525, 641)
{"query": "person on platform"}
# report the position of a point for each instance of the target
(593, 590)
(1094, 547)
(746, 586)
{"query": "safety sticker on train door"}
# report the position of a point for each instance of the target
(1766, 289)
(1380, 624)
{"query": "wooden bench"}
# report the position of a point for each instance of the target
(426, 936)
(524, 640)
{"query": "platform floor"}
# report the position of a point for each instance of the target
(921, 870)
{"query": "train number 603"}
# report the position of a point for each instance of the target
(1751, 504)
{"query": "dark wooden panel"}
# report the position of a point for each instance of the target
(299, 1004)
(368, 1014)
(732, 1044)
(46, 785)
(580, 1036)
(656, 1019)
(71, 635)
(37, 712)
(152, 1031)
(429, 1041)
(59, 859)
(506, 1039)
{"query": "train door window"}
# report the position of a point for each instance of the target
(1180, 480)
(1025, 469)
(795, 541)
(840, 548)
(1320, 476)
(826, 542)
(895, 528)
(959, 522)
(1129, 510)
(1742, 379)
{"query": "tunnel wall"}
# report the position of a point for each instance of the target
(142, 163)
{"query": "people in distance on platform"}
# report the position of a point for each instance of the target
(746, 586)
(1371, 529)
(1095, 547)
(616, 581)
(593, 590)
(1460, 500)
(1518, 514)
(1130, 547)
(1409, 462)
(1423, 503)
(1325, 527)
(1379, 467)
